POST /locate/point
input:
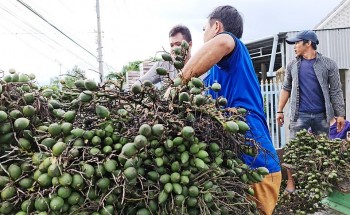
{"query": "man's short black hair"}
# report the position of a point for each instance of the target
(230, 18)
(313, 45)
(183, 30)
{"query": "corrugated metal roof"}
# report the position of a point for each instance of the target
(334, 43)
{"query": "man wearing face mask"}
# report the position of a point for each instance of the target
(312, 84)
(229, 64)
(176, 35)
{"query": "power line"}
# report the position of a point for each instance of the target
(35, 29)
(65, 6)
(45, 13)
(110, 67)
(38, 14)
(41, 17)
(37, 50)
(39, 32)
(15, 24)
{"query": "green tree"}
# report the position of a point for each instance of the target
(131, 66)
(69, 78)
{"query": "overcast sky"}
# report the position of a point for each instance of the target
(132, 29)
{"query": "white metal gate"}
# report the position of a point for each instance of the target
(270, 91)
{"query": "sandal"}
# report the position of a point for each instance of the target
(289, 192)
(288, 166)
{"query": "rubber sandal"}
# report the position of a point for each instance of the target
(288, 166)
(289, 192)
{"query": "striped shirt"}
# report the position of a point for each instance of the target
(152, 75)
(327, 73)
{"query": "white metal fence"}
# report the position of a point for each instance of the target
(270, 91)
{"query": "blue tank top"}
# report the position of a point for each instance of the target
(240, 86)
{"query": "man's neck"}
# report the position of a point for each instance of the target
(310, 55)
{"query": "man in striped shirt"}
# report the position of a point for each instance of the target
(176, 35)
(312, 84)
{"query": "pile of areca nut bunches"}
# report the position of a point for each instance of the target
(97, 149)
(319, 166)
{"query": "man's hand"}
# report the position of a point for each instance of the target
(280, 119)
(340, 123)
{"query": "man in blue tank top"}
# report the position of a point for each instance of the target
(229, 63)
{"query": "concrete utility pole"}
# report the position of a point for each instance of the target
(99, 42)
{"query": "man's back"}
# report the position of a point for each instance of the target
(240, 87)
(236, 74)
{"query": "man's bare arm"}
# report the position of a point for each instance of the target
(208, 55)
(284, 96)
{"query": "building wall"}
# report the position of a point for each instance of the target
(133, 76)
(347, 93)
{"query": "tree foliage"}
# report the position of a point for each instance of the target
(131, 66)
(69, 78)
